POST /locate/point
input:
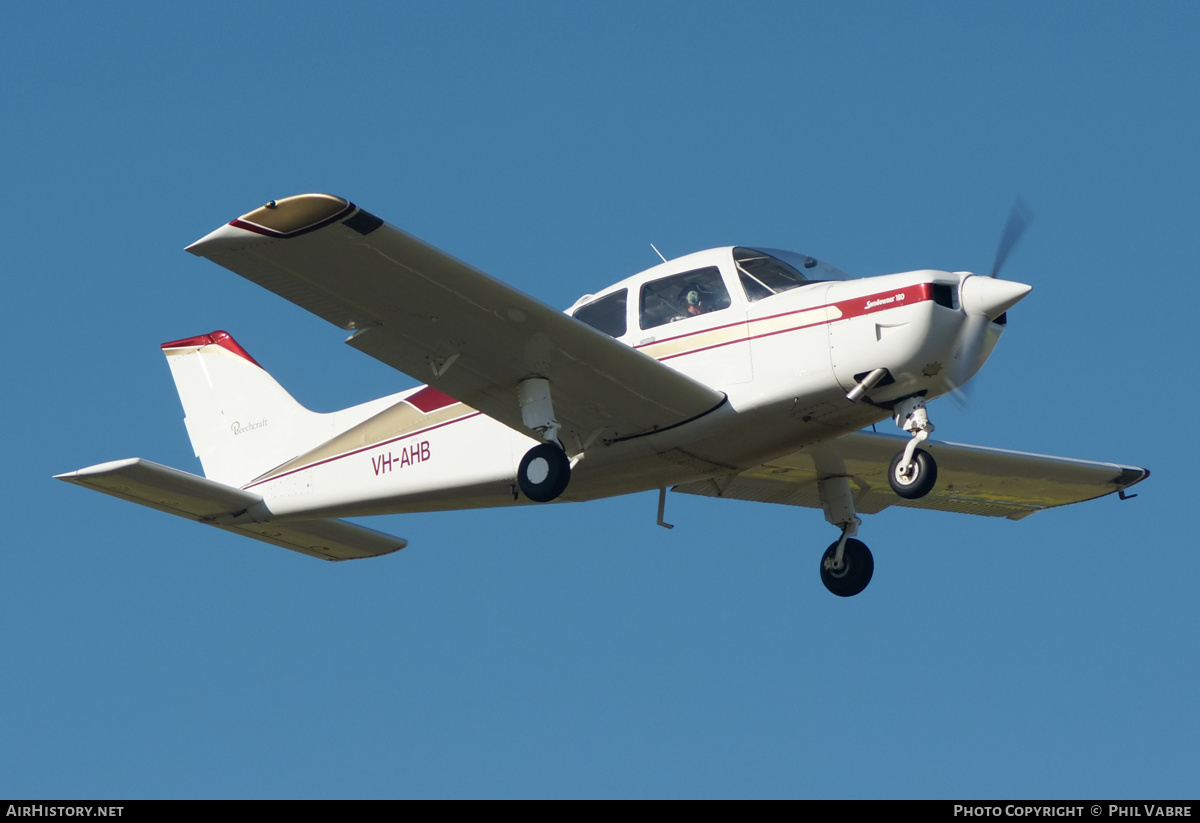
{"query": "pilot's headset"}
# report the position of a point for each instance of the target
(693, 297)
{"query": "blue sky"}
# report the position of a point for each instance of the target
(581, 650)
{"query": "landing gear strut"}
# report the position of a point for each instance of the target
(913, 472)
(545, 469)
(847, 565)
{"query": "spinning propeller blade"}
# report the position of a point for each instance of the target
(983, 300)
(1018, 220)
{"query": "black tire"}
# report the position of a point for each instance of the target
(544, 473)
(857, 567)
(920, 483)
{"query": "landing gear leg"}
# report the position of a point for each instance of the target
(847, 565)
(913, 471)
(544, 470)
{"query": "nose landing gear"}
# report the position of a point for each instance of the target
(913, 472)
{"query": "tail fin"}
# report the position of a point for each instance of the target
(242, 423)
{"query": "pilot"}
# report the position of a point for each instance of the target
(695, 302)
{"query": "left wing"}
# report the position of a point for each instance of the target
(448, 324)
(971, 479)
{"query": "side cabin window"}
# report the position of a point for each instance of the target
(606, 314)
(682, 296)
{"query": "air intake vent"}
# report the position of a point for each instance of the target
(943, 295)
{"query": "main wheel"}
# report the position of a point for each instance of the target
(857, 567)
(544, 473)
(919, 481)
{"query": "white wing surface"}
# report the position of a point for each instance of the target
(216, 504)
(450, 325)
(971, 479)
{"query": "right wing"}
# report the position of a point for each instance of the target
(448, 324)
(216, 504)
(971, 479)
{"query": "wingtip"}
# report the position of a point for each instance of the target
(79, 475)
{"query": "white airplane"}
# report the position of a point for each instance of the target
(735, 372)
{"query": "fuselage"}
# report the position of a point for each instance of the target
(784, 353)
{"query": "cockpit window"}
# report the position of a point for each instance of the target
(606, 314)
(766, 272)
(682, 296)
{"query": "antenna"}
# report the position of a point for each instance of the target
(656, 251)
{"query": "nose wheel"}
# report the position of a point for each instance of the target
(913, 479)
(913, 471)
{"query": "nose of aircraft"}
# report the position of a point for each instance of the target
(989, 296)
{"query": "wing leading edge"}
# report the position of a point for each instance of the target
(971, 479)
(448, 324)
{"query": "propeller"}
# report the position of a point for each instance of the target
(984, 299)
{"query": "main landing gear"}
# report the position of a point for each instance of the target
(545, 469)
(913, 471)
(847, 565)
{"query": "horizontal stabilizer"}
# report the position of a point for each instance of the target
(216, 504)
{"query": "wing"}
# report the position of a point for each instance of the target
(450, 325)
(207, 501)
(971, 479)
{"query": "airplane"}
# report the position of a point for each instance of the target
(736, 372)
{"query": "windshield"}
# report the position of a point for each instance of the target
(766, 272)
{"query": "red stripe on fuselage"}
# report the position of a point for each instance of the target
(854, 307)
(430, 399)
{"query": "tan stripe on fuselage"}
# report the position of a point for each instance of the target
(796, 320)
(391, 423)
(699, 341)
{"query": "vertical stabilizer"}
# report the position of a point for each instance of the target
(242, 423)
